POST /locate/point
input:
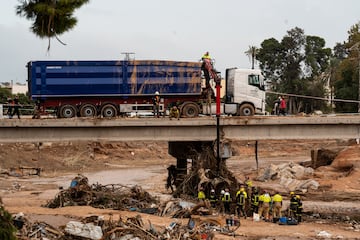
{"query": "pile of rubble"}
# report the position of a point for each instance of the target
(292, 176)
(134, 228)
(112, 196)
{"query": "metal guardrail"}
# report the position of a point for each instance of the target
(23, 109)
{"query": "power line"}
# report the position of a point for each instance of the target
(312, 97)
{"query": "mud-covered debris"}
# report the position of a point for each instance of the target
(112, 196)
(292, 176)
(206, 173)
(86, 230)
(181, 209)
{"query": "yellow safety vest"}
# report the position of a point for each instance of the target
(249, 183)
(226, 197)
(266, 199)
(206, 56)
(201, 195)
(277, 198)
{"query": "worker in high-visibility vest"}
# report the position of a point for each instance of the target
(265, 200)
(293, 205)
(255, 201)
(226, 199)
(299, 209)
(207, 67)
(201, 194)
(241, 197)
(277, 205)
(249, 187)
(213, 198)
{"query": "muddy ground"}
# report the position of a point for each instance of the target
(333, 207)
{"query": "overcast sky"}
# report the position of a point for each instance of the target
(172, 30)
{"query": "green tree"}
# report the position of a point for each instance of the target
(51, 18)
(7, 229)
(294, 66)
(269, 56)
(346, 87)
(346, 82)
(339, 51)
(5, 93)
(251, 53)
(317, 56)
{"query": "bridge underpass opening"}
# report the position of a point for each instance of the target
(191, 150)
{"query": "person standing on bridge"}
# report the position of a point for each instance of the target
(10, 104)
(156, 103)
(16, 107)
(277, 106)
(206, 67)
(282, 110)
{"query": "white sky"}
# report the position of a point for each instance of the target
(172, 30)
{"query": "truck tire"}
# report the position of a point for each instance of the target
(108, 111)
(88, 110)
(67, 111)
(246, 109)
(190, 110)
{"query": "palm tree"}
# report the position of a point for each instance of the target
(251, 53)
(50, 17)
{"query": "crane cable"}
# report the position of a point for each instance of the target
(312, 97)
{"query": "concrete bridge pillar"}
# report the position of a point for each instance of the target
(183, 151)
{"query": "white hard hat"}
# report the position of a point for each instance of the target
(156, 93)
(212, 190)
(222, 192)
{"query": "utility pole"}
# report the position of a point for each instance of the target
(127, 56)
(357, 46)
(217, 80)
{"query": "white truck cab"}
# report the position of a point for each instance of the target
(245, 92)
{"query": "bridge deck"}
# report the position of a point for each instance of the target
(163, 129)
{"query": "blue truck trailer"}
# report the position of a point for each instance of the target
(113, 88)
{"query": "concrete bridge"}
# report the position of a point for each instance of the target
(163, 129)
(185, 137)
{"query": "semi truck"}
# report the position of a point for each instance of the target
(115, 88)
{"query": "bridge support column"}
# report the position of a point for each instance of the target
(183, 151)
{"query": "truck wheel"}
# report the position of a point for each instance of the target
(190, 110)
(108, 111)
(88, 110)
(67, 111)
(246, 110)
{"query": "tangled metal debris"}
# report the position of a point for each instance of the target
(131, 228)
(113, 196)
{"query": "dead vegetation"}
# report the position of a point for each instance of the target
(112, 196)
(206, 173)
